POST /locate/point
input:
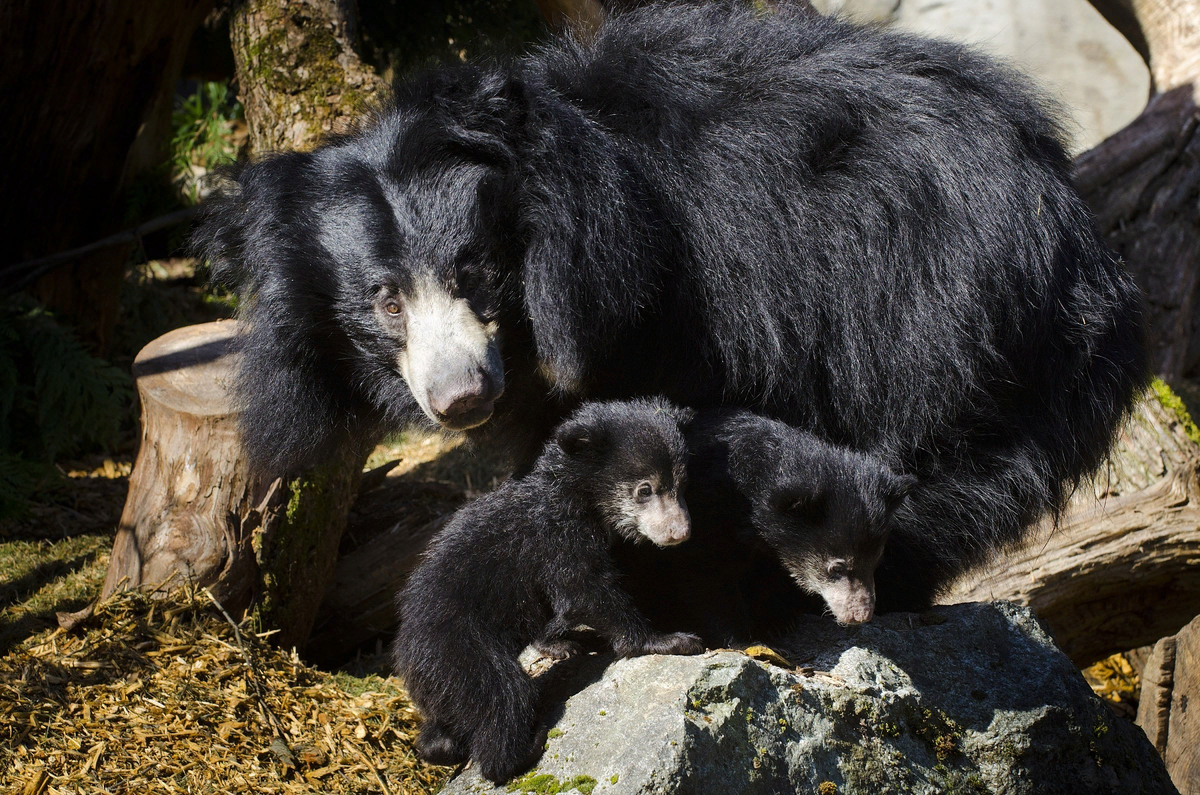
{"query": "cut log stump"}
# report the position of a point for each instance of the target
(197, 513)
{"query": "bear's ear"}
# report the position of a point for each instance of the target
(219, 237)
(800, 502)
(244, 223)
(753, 457)
(684, 416)
(481, 109)
(897, 489)
(580, 439)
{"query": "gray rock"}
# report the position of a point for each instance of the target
(1064, 45)
(969, 698)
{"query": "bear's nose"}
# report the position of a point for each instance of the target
(858, 615)
(462, 397)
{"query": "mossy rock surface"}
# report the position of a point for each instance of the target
(971, 698)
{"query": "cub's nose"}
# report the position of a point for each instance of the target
(860, 614)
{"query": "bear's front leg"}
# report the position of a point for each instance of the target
(556, 641)
(635, 645)
(607, 608)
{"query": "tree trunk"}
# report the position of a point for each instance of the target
(299, 78)
(88, 91)
(1119, 571)
(1144, 182)
(196, 512)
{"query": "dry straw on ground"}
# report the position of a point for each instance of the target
(168, 696)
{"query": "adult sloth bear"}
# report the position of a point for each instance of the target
(870, 236)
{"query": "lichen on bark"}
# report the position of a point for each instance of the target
(299, 76)
(297, 549)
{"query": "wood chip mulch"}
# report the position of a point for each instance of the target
(168, 696)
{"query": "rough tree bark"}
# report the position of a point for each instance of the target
(299, 77)
(87, 91)
(1144, 182)
(197, 512)
(1170, 684)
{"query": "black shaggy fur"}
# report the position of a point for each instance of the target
(779, 519)
(531, 560)
(868, 235)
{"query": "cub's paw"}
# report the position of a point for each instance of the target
(498, 762)
(558, 648)
(437, 747)
(673, 643)
(678, 643)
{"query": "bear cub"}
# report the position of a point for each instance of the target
(529, 561)
(783, 523)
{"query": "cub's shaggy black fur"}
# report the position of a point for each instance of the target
(531, 560)
(868, 235)
(782, 523)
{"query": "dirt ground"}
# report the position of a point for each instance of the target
(170, 696)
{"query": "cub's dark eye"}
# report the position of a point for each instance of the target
(392, 308)
(838, 568)
(644, 491)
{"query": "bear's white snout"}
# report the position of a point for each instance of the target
(451, 359)
(665, 521)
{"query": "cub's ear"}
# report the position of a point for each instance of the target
(800, 502)
(578, 439)
(684, 416)
(897, 490)
(752, 458)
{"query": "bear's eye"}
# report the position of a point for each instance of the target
(838, 568)
(644, 491)
(392, 308)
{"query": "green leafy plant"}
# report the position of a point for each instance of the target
(202, 137)
(56, 399)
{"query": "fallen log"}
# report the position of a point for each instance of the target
(1170, 681)
(1120, 569)
(360, 605)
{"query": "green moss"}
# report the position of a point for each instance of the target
(957, 782)
(296, 69)
(888, 728)
(554, 734)
(944, 746)
(1173, 403)
(615, 778)
(299, 551)
(827, 788)
(547, 784)
(938, 731)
